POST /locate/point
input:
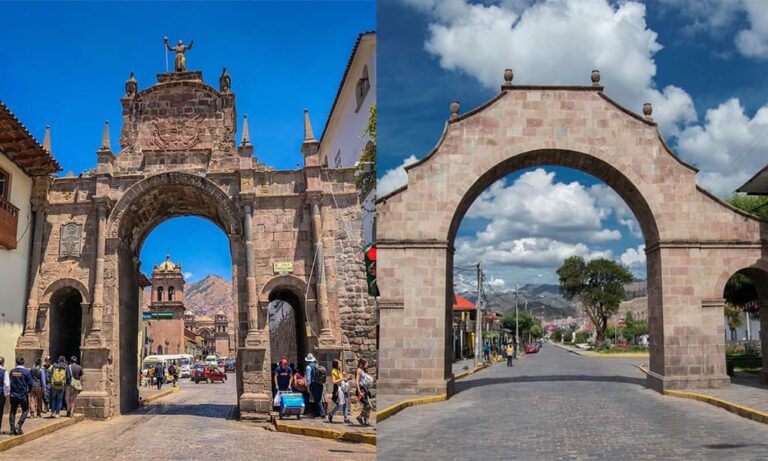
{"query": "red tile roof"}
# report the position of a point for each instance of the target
(462, 303)
(22, 148)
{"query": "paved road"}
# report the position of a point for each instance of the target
(194, 424)
(554, 405)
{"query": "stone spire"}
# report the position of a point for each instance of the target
(246, 139)
(47, 139)
(308, 134)
(105, 138)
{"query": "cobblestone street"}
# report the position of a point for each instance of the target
(554, 405)
(194, 424)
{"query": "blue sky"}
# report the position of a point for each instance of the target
(702, 67)
(65, 65)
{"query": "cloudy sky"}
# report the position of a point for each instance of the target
(701, 64)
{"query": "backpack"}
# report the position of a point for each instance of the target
(59, 377)
(320, 374)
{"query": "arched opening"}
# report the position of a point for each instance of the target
(520, 220)
(287, 326)
(66, 316)
(745, 319)
(198, 222)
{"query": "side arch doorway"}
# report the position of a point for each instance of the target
(66, 323)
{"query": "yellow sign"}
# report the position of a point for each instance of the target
(283, 268)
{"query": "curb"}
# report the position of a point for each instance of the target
(326, 433)
(158, 396)
(400, 406)
(740, 410)
(40, 432)
(597, 355)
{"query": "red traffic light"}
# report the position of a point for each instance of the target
(371, 253)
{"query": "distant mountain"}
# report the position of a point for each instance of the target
(545, 300)
(209, 295)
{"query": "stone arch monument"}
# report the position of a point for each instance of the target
(692, 238)
(178, 157)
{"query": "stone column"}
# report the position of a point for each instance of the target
(255, 335)
(325, 338)
(98, 284)
(764, 337)
(37, 245)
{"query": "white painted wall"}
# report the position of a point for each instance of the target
(343, 141)
(14, 263)
(743, 333)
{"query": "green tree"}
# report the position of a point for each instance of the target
(734, 316)
(365, 176)
(526, 323)
(599, 284)
(754, 204)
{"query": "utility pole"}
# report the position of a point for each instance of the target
(479, 318)
(517, 322)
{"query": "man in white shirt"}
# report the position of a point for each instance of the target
(6, 389)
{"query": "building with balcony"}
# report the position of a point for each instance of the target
(25, 170)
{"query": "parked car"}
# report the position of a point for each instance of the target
(532, 348)
(230, 365)
(208, 374)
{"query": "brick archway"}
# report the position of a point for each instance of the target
(689, 233)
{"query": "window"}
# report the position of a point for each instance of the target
(362, 87)
(171, 292)
(337, 159)
(159, 293)
(5, 184)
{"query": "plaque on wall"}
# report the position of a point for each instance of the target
(69, 243)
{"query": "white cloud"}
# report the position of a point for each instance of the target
(633, 257)
(610, 202)
(394, 178)
(753, 42)
(534, 205)
(729, 148)
(528, 252)
(188, 275)
(557, 41)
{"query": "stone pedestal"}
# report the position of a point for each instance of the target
(94, 401)
(255, 400)
(29, 352)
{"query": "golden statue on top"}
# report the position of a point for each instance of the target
(180, 62)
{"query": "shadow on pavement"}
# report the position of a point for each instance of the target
(205, 410)
(469, 384)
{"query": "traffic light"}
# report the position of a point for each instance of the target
(370, 269)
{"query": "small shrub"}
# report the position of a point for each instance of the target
(568, 336)
(582, 337)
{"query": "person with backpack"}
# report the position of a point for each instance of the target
(38, 384)
(75, 385)
(340, 392)
(172, 371)
(5, 389)
(363, 381)
(316, 376)
(21, 386)
(59, 382)
(300, 385)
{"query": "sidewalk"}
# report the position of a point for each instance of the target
(596, 355)
(33, 429)
(337, 430)
(745, 390)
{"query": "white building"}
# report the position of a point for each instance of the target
(343, 140)
(25, 167)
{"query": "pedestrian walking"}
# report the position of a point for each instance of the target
(159, 375)
(75, 385)
(363, 383)
(59, 382)
(340, 392)
(300, 385)
(282, 380)
(486, 352)
(48, 367)
(4, 390)
(514, 347)
(38, 384)
(510, 354)
(21, 386)
(316, 376)
(172, 371)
